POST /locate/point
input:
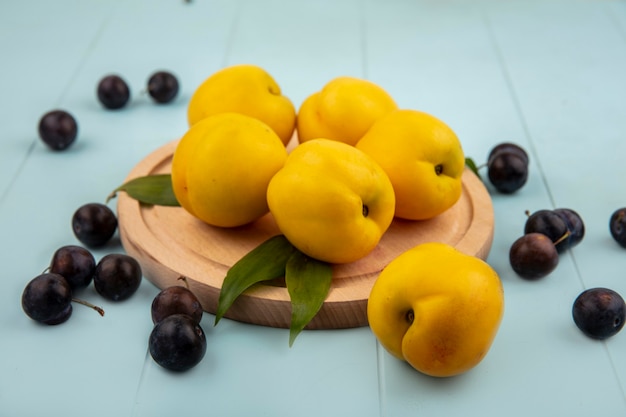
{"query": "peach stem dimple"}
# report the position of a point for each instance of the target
(410, 316)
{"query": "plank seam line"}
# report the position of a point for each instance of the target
(136, 406)
(380, 370)
(614, 369)
(234, 27)
(363, 36)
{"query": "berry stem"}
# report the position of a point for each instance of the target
(88, 304)
(184, 279)
(562, 238)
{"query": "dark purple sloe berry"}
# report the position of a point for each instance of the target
(113, 92)
(75, 263)
(599, 312)
(548, 223)
(58, 129)
(47, 299)
(507, 172)
(177, 343)
(94, 224)
(163, 86)
(117, 276)
(533, 256)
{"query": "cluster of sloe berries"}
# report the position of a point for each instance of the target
(177, 341)
(48, 297)
(113, 91)
(598, 312)
(547, 233)
(58, 128)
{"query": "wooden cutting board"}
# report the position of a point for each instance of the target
(169, 243)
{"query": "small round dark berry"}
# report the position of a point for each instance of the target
(177, 343)
(533, 256)
(549, 223)
(94, 224)
(75, 263)
(599, 312)
(117, 276)
(113, 92)
(47, 299)
(58, 129)
(507, 172)
(163, 86)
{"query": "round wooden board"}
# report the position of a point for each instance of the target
(169, 243)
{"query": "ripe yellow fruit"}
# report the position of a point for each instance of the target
(423, 158)
(222, 166)
(331, 201)
(343, 110)
(245, 89)
(436, 308)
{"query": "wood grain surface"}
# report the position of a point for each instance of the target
(169, 243)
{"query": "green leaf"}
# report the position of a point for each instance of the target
(308, 283)
(151, 189)
(266, 261)
(472, 166)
